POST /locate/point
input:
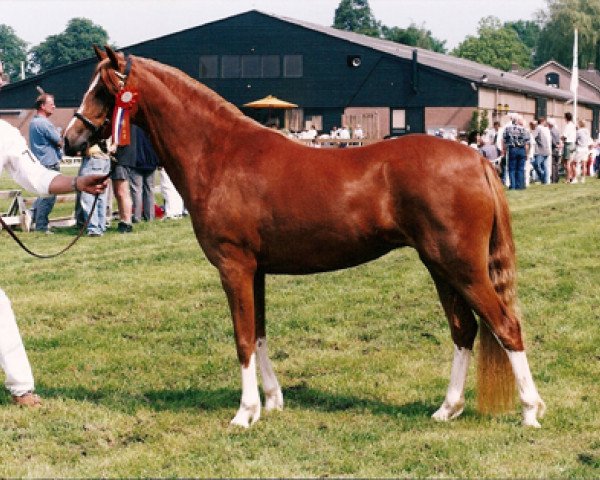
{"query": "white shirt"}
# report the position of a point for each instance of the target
(569, 132)
(343, 133)
(20, 163)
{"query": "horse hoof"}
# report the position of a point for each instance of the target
(533, 412)
(274, 401)
(448, 411)
(531, 422)
(246, 416)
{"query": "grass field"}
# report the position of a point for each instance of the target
(132, 348)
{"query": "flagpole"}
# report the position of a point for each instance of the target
(575, 77)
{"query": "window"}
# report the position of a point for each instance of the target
(313, 121)
(230, 66)
(398, 119)
(209, 66)
(270, 66)
(292, 66)
(553, 79)
(251, 66)
(293, 119)
(540, 107)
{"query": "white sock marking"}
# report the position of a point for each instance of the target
(249, 411)
(273, 395)
(454, 401)
(533, 405)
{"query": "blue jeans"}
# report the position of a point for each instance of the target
(516, 167)
(539, 165)
(97, 223)
(43, 206)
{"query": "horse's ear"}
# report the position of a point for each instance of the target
(114, 61)
(99, 53)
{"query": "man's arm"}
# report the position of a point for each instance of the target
(94, 184)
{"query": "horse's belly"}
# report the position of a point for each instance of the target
(308, 256)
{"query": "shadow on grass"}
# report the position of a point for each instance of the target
(299, 397)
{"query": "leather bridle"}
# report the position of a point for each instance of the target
(91, 126)
(95, 129)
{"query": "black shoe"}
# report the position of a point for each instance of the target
(123, 227)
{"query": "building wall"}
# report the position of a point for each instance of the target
(448, 118)
(564, 79)
(526, 106)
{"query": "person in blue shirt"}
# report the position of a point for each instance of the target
(516, 141)
(46, 143)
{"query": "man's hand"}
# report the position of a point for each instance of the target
(94, 184)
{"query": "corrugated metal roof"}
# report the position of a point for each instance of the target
(459, 67)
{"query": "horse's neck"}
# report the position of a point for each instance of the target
(186, 122)
(174, 102)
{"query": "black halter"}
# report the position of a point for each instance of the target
(95, 129)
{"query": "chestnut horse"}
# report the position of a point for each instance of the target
(263, 204)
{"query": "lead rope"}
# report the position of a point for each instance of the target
(60, 252)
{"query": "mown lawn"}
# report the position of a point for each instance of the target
(132, 347)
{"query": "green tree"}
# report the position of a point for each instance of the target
(478, 124)
(73, 44)
(356, 16)
(495, 45)
(13, 51)
(414, 36)
(527, 30)
(556, 36)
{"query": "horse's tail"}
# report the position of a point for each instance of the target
(495, 380)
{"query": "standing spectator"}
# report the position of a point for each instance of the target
(95, 161)
(46, 145)
(516, 142)
(555, 136)
(568, 137)
(530, 153)
(358, 132)
(500, 146)
(543, 142)
(125, 156)
(490, 151)
(141, 177)
(173, 202)
(583, 150)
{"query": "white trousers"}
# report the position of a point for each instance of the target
(173, 201)
(13, 359)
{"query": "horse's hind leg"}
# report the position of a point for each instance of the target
(273, 395)
(463, 328)
(505, 340)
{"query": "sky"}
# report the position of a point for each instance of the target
(132, 21)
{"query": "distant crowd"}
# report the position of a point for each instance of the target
(539, 151)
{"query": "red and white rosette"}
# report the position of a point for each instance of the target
(124, 102)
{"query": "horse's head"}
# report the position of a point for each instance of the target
(90, 123)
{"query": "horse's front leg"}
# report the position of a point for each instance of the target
(237, 277)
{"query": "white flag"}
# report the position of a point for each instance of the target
(575, 70)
